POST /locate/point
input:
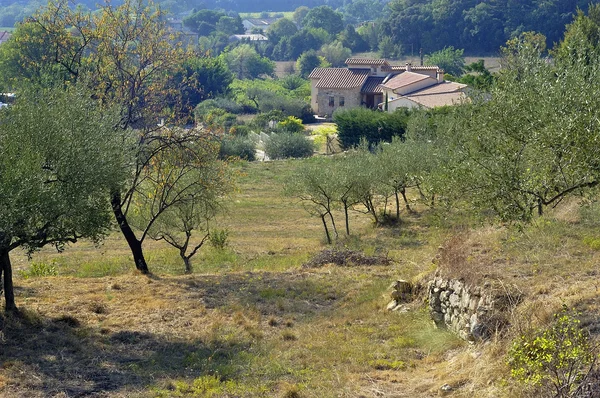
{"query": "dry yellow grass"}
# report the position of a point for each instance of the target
(252, 322)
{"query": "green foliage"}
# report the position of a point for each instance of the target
(448, 59)
(215, 119)
(205, 22)
(219, 238)
(308, 61)
(478, 27)
(324, 17)
(556, 359)
(388, 48)
(246, 63)
(335, 53)
(199, 79)
(225, 104)
(296, 83)
(291, 124)
(287, 145)
(39, 269)
(60, 158)
(373, 126)
(477, 76)
(237, 146)
(581, 37)
(528, 144)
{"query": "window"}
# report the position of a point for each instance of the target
(342, 101)
(331, 101)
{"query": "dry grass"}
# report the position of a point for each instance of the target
(252, 322)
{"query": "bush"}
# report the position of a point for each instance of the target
(374, 126)
(291, 124)
(286, 145)
(40, 270)
(218, 238)
(222, 103)
(554, 360)
(238, 146)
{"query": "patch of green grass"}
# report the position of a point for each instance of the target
(39, 269)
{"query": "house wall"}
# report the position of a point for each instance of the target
(352, 99)
(402, 103)
(313, 95)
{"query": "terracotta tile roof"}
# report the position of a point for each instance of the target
(366, 61)
(404, 79)
(372, 85)
(339, 77)
(446, 93)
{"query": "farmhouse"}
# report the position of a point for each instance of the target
(373, 83)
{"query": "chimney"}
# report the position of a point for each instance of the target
(408, 67)
(440, 75)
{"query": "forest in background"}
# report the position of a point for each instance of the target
(477, 27)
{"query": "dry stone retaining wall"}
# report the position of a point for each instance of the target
(463, 309)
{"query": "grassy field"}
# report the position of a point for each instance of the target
(252, 322)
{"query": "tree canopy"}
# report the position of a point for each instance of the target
(59, 161)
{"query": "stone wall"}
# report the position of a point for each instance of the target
(466, 310)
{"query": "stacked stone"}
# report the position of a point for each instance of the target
(460, 308)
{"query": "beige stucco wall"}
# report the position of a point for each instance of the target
(402, 103)
(313, 95)
(409, 88)
(352, 99)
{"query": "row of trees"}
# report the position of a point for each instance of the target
(373, 181)
(91, 142)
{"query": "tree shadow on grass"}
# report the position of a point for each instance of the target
(43, 357)
(297, 295)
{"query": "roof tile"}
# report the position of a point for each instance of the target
(342, 78)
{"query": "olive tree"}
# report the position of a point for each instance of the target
(313, 185)
(181, 191)
(59, 161)
(534, 140)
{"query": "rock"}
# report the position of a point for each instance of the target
(445, 390)
(454, 300)
(391, 305)
(403, 291)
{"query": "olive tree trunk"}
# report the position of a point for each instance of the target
(6, 270)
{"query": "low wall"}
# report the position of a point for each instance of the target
(467, 311)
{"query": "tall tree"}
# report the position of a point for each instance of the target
(326, 18)
(183, 189)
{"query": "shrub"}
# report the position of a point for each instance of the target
(39, 270)
(238, 146)
(556, 359)
(286, 145)
(218, 238)
(291, 124)
(222, 103)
